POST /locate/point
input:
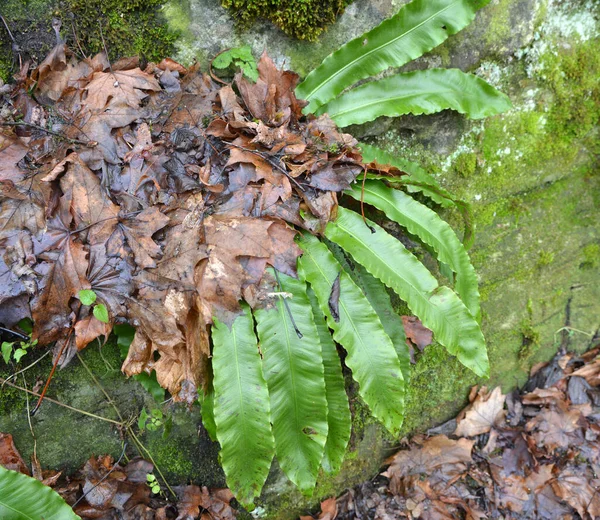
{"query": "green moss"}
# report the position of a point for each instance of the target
(303, 19)
(545, 258)
(591, 255)
(500, 28)
(128, 27)
(465, 164)
(438, 389)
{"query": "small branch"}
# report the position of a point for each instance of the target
(287, 307)
(272, 163)
(141, 448)
(51, 132)
(15, 333)
(89, 414)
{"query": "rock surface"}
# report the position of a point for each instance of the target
(533, 178)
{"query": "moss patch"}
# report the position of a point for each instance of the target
(303, 19)
(129, 27)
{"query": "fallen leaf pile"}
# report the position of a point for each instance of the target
(104, 490)
(164, 193)
(533, 454)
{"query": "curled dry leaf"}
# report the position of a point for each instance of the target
(169, 198)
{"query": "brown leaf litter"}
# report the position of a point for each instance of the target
(166, 194)
(103, 489)
(533, 454)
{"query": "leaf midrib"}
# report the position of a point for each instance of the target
(335, 74)
(427, 301)
(363, 106)
(281, 312)
(345, 310)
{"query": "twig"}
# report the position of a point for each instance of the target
(103, 478)
(51, 132)
(29, 420)
(89, 414)
(15, 333)
(141, 448)
(60, 353)
(105, 49)
(10, 34)
(77, 40)
(287, 307)
(28, 366)
(268, 159)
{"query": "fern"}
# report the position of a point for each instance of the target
(25, 497)
(241, 408)
(439, 308)
(417, 28)
(293, 368)
(419, 92)
(284, 394)
(431, 229)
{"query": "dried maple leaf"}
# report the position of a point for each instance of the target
(137, 230)
(126, 86)
(12, 150)
(573, 485)
(556, 429)
(486, 411)
(193, 500)
(271, 99)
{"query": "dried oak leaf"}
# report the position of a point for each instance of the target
(58, 72)
(590, 372)
(486, 411)
(435, 452)
(193, 501)
(271, 99)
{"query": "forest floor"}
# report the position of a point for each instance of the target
(533, 453)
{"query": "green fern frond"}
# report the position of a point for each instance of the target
(417, 28)
(419, 92)
(416, 180)
(293, 368)
(378, 297)
(241, 408)
(23, 497)
(431, 229)
(439, 308)
(371, 354)
(338, 410)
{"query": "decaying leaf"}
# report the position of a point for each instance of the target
(486, 411)
(168, 197)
